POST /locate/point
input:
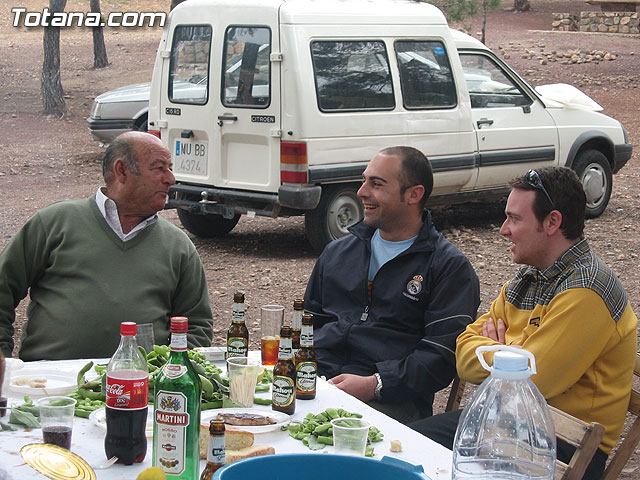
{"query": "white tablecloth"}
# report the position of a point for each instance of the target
(88, 439)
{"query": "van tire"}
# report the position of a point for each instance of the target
(339, 208)
(594, 172)
(207, 226)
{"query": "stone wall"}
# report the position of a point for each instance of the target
(612, 22)
(565, 22)
(603, 22)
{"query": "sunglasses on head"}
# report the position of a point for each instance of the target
(533, 179)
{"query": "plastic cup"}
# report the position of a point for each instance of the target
(243, 375)
(271, 321)
(56, 418)
(144, 336)
(350, 436)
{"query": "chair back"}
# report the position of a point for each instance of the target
(586, 437)
(628, 446)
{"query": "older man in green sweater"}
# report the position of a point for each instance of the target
(93, 263)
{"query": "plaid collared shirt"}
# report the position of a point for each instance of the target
(578, 267)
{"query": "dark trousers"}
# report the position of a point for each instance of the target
(442, 429)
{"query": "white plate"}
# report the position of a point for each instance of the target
(98, 418)
(280, 418)
(54, 385)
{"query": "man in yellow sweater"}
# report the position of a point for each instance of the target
(565, 306)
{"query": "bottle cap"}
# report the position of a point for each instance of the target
(179, 324)
(128, 328)
(298, 304)
(238, 297)
(511, 362)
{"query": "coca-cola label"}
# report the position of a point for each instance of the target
(127, 393)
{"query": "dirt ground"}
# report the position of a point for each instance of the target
(47, 160)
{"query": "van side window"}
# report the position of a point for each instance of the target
(189, 66)
(489, 85)
(425, 75)
(352, 75)
(247, 67)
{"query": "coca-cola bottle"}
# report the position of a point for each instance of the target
(127, 392)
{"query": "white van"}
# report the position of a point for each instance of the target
(274, 108)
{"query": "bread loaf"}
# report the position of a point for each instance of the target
(238, 445)
(233, 440)
(253, 451)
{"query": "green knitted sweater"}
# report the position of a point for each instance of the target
(84, 281)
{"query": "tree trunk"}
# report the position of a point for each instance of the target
(51, 86)
(521, 5)
(100, 59)
(484, 21)
(175, 3)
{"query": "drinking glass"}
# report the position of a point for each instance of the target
(144, 336)
(56, 419)
(243, 374)
(271, 320)
(350, 435)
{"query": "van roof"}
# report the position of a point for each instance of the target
(403, 12)
(399, 12)
(462, 40)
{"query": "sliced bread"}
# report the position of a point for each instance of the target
(233, 440)
(253, 451)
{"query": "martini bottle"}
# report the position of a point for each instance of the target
(176, 425)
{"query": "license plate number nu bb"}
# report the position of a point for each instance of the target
(190, 157)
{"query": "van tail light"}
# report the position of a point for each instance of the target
(155, 133)
(293, 162)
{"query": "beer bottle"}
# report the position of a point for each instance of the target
(296, 326)
(216, 452)
(176, 426)
(283, 390)
(306, 362)
(237, 335)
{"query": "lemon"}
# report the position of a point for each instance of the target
(260, 374)
(152, 473)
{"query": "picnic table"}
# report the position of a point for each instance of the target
(88, 438)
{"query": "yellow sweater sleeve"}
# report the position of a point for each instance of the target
(566, 336)
(467, 364)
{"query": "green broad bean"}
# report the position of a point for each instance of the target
(262, 401)
(210, 405)
(332, 413)
(321, 429)
(83, 370)
(325, 440)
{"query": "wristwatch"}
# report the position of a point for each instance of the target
(378, 391)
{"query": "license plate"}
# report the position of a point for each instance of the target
(190, 157)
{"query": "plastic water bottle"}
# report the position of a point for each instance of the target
(506, 430)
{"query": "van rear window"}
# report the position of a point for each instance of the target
(425, 75)
(352, 75)
(189, 66)
(247, 67)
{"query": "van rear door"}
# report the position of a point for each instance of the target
(220, 100)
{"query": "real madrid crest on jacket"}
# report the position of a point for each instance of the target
(404, 324)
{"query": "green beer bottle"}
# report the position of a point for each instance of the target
(176, 425)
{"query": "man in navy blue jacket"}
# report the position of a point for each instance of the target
(390, 299)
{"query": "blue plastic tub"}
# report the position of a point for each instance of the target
(320, 466)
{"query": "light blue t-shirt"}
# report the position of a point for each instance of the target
(382, 251)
